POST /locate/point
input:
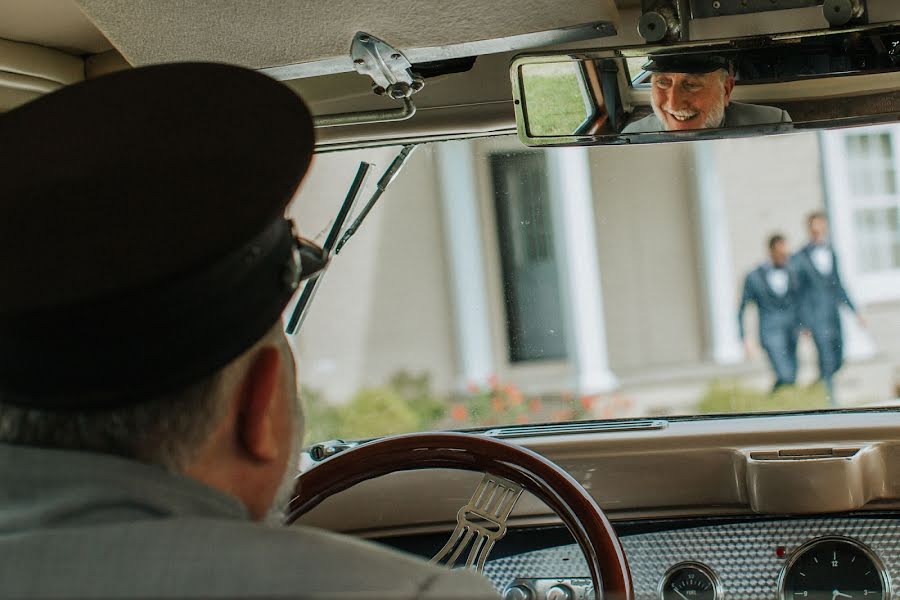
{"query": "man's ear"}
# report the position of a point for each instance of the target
(729, 87)
(258, 410)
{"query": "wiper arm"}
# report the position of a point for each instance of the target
(389, 175)
(309, 290)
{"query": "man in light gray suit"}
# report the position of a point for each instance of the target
(773, 287)
(821, 295)
(694, 92)
(149, 418)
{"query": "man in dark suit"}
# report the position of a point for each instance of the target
(773, 287)
(821, 295)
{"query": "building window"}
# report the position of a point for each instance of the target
(530, 270)
(871, 161)
(862, 167)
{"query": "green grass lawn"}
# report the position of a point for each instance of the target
(553, 102)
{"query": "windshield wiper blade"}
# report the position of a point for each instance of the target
(389, 175)
(309, 290)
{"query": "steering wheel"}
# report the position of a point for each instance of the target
(508, 469)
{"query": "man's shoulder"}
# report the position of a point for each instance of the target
(756, 274)
(649, 124)
(739, 113)
(221, 558)
(801, 257)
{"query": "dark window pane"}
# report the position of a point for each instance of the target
(534, 319)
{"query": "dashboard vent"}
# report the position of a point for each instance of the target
(804, 453)
(570, 428)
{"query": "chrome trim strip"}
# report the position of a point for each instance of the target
(570, 428)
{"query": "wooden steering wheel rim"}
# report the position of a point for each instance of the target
(546, 480)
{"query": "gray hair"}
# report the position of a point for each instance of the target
(167, 431)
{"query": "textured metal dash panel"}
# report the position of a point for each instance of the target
(742, 555)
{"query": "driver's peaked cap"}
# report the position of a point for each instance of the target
(143, 244)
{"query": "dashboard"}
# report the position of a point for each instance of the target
(835, 558)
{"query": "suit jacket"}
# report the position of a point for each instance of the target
(820, 295)
(777, 314)
(82, 525)
(737, 114)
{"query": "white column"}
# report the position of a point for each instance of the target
(718, 269)
(465, 254)
(580, 279)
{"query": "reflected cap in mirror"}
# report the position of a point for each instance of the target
(143, 244)
(687, 63)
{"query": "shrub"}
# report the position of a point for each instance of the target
(377, 411)
(323, 422)
(730, 396)
(416, 392)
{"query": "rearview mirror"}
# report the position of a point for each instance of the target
(767, 85)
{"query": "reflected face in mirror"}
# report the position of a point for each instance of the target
(691, 100)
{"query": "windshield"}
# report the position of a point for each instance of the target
(494, 284)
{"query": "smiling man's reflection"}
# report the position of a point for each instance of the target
(694, 92)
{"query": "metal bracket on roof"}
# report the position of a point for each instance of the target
(392, 76)
(388, 67)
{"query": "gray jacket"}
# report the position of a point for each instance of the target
(737, 114)
(82, 525)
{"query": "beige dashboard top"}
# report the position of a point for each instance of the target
(803, 464)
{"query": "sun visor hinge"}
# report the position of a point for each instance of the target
(392, 77)
(389, 69)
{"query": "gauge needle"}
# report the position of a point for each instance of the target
(836, 594)
(680, 594)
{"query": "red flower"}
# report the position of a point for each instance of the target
(622, 402)
(497, 404)
(534, 405)
(522, 419)
(514, 395)
(472, 387)
(587, 402)
(459, 412)
(493, 382)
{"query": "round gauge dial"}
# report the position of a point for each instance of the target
(689, 581)
(834, 569)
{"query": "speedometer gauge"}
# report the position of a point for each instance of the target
(834, 569)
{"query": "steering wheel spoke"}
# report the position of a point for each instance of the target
(481, 522)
